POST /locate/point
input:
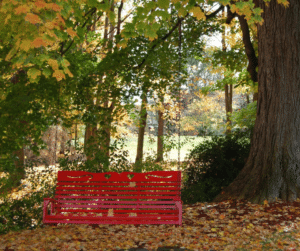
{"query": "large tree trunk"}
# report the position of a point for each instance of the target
(142, 126)
(160, 134)
(271, 170)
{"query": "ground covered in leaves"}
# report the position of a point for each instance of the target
(230, 225)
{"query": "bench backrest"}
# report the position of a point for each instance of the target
(156, 185)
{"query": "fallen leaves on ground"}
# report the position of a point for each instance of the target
(229, 225)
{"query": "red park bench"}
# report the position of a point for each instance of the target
(112, 198)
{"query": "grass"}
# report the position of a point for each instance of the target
(151, 147)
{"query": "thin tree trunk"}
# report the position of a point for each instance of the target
(142, 126)
(92, 131)
(228, 95)
(255, 96)
(247, 97)
(107, 130)
(108, 120)
(160, 134)
(228, 106)
(271, 170)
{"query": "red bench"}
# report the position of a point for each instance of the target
(112, 198)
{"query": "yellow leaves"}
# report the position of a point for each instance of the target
(198, 13)
(53, 63)
(67, 71)
(6, 19)
(54, 6)
(40, 4)
(285, 3)
(25, 45)
(182, 12)
(22, 9)
(33, 73)
(59, 75)
(59, 17)
(38, 42)
(65, 63)
(71, 32)
(9, 55)
(32, 18)
(49, 25)
(122, 43)
(175, 1)
(188, 127)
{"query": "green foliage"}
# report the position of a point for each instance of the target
(205, 130)
(246, 117)
(27, 212)
(214, 165)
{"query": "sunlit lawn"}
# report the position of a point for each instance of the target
(151, 147)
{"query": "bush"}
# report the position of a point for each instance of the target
(213, 165)
(26, 212)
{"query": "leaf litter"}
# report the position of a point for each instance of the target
(228, 225)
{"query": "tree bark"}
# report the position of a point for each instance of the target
(107, 130)
(247, 97)
(271, 170)
(160, 134)
(108, 121)
(255, 96)
(104, 146)
(142, 126)
(228, 95)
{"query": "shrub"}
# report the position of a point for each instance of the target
(213, 165)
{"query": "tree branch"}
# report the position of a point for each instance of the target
(172, 30)
(253, 61)
(214, 13)
(161, 39)
(63, 52)
(230, 15)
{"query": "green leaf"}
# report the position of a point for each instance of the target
(155, 26)
(92, 3)
(141, 27)
(163, 4)
(150, 33)
(151, 5)
(33, 73)
(129, 27)
(61, 34)
(47, 72)
(164, 14)
(44, 57)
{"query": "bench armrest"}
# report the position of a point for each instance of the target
(46, 203)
